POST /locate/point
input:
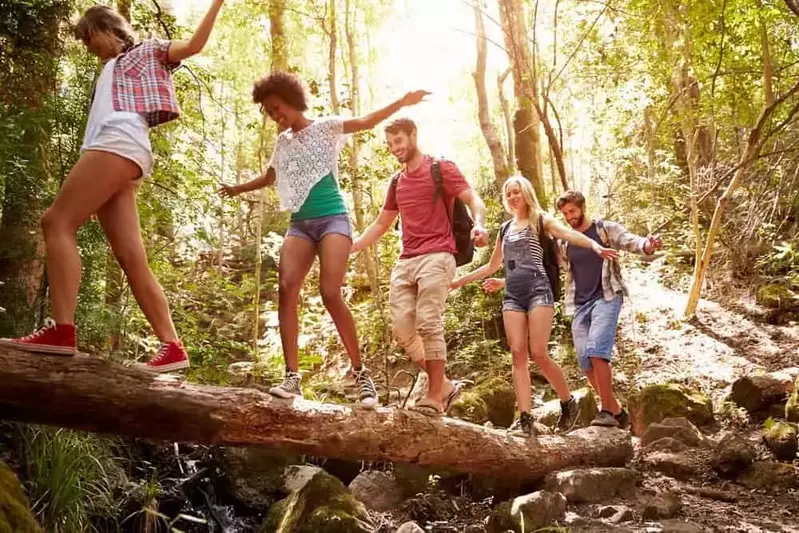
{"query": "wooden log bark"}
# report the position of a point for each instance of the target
(93, 394)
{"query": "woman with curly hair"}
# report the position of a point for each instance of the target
(304, 166)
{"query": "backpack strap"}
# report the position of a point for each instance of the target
(602, 232)
(438, 181)
(393, 185)
(503, 229)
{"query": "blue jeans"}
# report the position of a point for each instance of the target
(594, 329)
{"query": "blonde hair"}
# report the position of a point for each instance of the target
(528, 193)
(103, 19)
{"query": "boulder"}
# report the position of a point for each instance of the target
(667, 444)
(592, 485)
(410, 527)
(770, 475)
(295, 477)
(549, 413)
(781, 438)
(323, 505)
(676, 465)
(527, 513)
(655, 403)
(255, 476)
(615, 514)
(15, 513)
(379, 491)
(792, 406)
(732, 455)
(662, 505)
(676, 428)
(756, 393)
(492, 401)
(680, 526)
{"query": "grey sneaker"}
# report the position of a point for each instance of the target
(523, 427)
(568, 414)
(367, 393)
(623, 419)
(605, 419)
(290, 386)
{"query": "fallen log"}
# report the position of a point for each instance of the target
(93, 394)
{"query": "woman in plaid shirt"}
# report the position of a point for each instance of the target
(133, 93)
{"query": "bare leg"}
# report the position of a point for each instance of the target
(296, 258)
(95, 178)
(516, 332)
(334, 253)
(119, 218)
(604, 381)
(540, 327)
(446, 387)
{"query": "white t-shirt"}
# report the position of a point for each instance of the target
(302, 158)
(102, 114)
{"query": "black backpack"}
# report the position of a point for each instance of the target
(459, 220)
(550, 248)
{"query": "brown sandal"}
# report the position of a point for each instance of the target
(428, 407)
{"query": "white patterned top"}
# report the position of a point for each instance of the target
(302, 158)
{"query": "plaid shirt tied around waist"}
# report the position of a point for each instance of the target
(143, 82)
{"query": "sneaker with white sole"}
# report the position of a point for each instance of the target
(290, 388)
(367, 393)
(52, 338)
(170, 357)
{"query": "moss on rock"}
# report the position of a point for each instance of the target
(324, 505)
(492, 401)
(792, 407)
(781, 438)
(654, 403)
(15, 514)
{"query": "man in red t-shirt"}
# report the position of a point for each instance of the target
(420, 279)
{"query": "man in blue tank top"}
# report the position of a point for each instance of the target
(595, 292)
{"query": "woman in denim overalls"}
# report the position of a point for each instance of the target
(528, 307)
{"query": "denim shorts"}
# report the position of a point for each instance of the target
(538, 295)
(594, 329)
(314, 229)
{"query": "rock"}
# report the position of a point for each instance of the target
(616, 514)
(549, 413)
(592, 485)
(674, 465)
(255, 476)
(756, 393)
(715, 494)
(663, 505)
(490, 401)
(777, 296)
(770, 475)
(527, 513)
(658, 402)
(792, 406)
(323, 505)
(574, 520)
(377, 490)
(15, 513)
(295, 477)
(343, 469)
(732, 455)
(676, 428)
(679, 526)
(781, 437)
(667, 444)
(410, 527)
(412, 479)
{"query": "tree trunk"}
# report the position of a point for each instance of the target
(489, 132)
(751, 151)
(123, 7)
(332, 30)
(511, 165)
(93, 394)
(277, 30)
(768, 67)
(526, 123)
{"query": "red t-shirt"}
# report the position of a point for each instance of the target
(426, 227)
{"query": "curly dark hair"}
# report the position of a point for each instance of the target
(285, 85)
(571, 197)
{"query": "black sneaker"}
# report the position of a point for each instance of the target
(523, 427)
(367, 393)
(290, 386)
(623, 419)
(605, 419)
(568, 414)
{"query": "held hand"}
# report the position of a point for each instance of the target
(413, 98)
(356, 247)
(228, 191)
(456, 284)
(479, 236)
(653, 244)
(605, 253)
(493, 284)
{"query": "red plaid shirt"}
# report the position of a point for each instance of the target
(143, 82)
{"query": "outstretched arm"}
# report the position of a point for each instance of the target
(374, 118)
(484, 271)
(623, 239)
(180, 50)
(478, 211)
(266, 179)
(376, 229)
(558, 230)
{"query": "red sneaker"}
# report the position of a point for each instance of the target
(172, 356)
(56, 339)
